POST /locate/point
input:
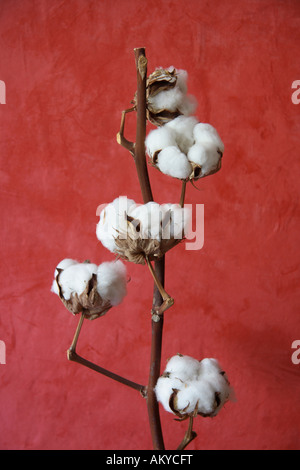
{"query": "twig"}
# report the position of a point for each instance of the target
(189, 435)
(120, 135)
(73, 356)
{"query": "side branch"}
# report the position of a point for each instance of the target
(120, 135)
(73, 356)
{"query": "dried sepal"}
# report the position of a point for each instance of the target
(134, 248)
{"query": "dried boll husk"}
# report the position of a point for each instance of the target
(135, 248)
(166, 96)
(88, 302)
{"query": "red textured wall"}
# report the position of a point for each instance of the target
(69, 71)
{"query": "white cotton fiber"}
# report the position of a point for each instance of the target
(205, 155)
(74, 279)
(174, 99)
(185, 367)
(171, 161)
(159, 139)
(207, 134)
(111, 281)
(176, 221)
(164, 389)
(170, 99)
(113, 218)
(183, 127)
(202, 386)
(149, 216)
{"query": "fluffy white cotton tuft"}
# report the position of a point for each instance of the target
(205, 155)
(171, 161)
(162, 221)
(183, 127)
(176, 222)
(159, 139)
(164, 389)
(185, 366)
(112, 282)
(206, 134)
(113, 218)
(74, 278)
(199, 386)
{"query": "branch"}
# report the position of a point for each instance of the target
(120, 135)
(73, 356)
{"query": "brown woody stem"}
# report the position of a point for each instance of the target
(76, 336)
(157, 326)
(189, 435)
(73, 356)
(182, 196)
(120, 135)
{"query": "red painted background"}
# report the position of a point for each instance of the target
(69, 71)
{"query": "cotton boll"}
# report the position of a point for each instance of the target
(75, 278)
(159, 139)
(183, 128)
(205, 133)
(171, 161)
(111, 281)
(205, 155)
(164, 389)
(183, 367)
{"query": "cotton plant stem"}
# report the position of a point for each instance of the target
(120, 135)
(157, 326)
(73, 356)
(182, 196)
(189, 435)
(76, 336)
